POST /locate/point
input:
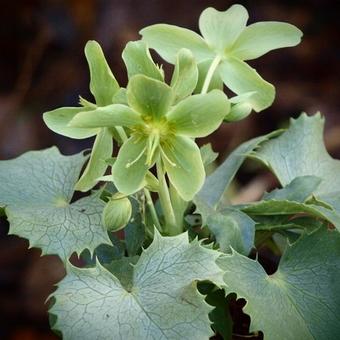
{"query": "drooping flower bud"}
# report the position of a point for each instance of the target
(117, 212)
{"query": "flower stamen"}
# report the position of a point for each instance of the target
(136, 159)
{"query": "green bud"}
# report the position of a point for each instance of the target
(117, 212)
(238, 112)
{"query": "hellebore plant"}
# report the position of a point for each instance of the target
(182, 252)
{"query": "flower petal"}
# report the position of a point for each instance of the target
(184, 166)
(138, 60)
(150, 97)
(221, 29)
(260, 38)
(167, 40)
(200, 114)
(241, 78)
(96, 166)
(103, 84)
(184, 78)
(58, 120)
(107, 116)
(129, 168)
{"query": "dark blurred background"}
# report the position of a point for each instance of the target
(42, 66)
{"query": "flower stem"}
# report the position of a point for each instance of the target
(210, 74)
(164, 197)
(121, 133)
(153, 212)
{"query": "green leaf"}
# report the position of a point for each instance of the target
(220, 316)
(161, 300)
(218, 182)
(260, 38)
(216, 81)
(199, 115)
(301, 300)
(122, 269)
(186, 170)
(232, 228)
(298, 190)
(96, 166)
(134, 232)
(106, 116)
(241, 78)
(130, 169)
(167, 40)
(58, 121)
(221, 29)
(149, 97)
(138, 60)
(103, 84)
(277, 207)
(185, 76)
(300, 151)
(36, 189)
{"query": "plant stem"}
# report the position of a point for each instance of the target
(164, 197)
(210, 74)
(153, 212)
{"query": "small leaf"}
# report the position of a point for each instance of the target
(277, 207)
(130, 169)
(199, 115)
(218, 182)
(158, 300)
(185, 76)
(220, 316)
(221, 29)
(260, 38)
(241, 78)
(303, 139)
(298, 190)
(167, 40)
(58, 121)
(231, 228)
(299, 301)
(96, 166)
(186, 170)
(134, 232)
(149, 97)
(138, 60)
(41, 210)
(103, 84)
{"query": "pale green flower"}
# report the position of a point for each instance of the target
(160, 130)
(226, 43)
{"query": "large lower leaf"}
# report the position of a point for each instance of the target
(301, 300)
(36, 190)
(160, 302)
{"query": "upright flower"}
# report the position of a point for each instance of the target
(226, 43)
(161, 130)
